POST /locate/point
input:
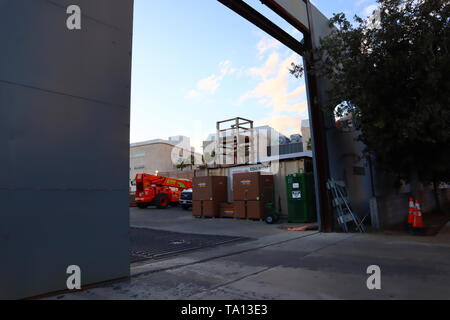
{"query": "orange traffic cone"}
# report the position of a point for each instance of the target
(418, 226)
(411, 212)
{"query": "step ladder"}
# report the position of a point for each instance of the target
(345, 216)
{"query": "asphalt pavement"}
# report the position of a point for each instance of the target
(280, 264)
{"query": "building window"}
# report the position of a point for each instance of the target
(139, 167)
(137, 155)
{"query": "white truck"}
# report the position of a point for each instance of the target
(186, 199)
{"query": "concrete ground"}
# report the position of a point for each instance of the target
(179, 220)
(280, 264)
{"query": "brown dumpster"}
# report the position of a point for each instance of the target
(211, 209)
(256, 210)
(227, 210)
(240, 210)
(253, 187)
(197, 209)
(245, 186)
(267, 188)
(210, 188)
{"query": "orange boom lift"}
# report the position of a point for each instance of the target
(159, 191)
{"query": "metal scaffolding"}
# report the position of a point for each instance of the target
(235, 141)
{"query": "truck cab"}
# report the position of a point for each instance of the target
(186, 199)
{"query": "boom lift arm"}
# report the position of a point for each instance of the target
(164, 181)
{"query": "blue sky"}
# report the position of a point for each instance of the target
(197, 62)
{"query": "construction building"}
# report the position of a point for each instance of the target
(306, 134)
(243, 148)
(238, 142)
(158, 156)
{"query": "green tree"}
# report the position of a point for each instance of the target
(203, 165)
(392, 72)
(181, 165)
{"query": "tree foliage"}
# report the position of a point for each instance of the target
(392, 73)
(181, 165)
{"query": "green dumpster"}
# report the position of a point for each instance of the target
(300, 198)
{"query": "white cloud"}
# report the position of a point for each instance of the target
(211, 83)
(270, 66)
(192, 94)
(369, 10)
(361, 2)
(267, 44)
(273, 88)
(277, 90)
(282, 123)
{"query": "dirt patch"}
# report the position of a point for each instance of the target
(434, 222)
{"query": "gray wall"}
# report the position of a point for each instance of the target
(64, 139)
(344, 151)
(345, 158)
